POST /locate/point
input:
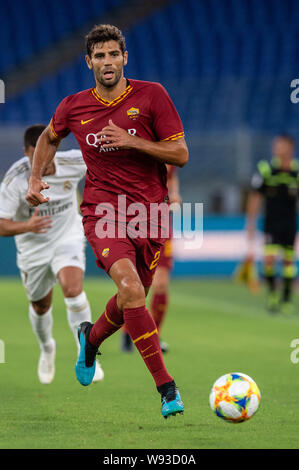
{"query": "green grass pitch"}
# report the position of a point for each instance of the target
(213, 327)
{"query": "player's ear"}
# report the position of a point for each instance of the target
(125, 58)
(88, 61)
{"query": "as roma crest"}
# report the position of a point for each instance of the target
(133, 113)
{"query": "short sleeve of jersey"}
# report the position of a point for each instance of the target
(59, 121)
(9, 199)
(166, 120)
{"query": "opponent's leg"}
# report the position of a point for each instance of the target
(289, 274)
(159, 300)
(271, 252)
(41, 319)
(77, 305)
(126, 344)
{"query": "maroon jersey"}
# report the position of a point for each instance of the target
(144, 109)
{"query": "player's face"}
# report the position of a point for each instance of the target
(107, 62)
(283, 149)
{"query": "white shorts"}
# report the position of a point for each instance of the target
(39, 280)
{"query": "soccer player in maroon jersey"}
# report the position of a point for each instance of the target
(127, 130)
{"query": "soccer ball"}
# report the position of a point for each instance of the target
(235, 397)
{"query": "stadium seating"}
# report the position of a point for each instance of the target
(232, 69)
(49, 20)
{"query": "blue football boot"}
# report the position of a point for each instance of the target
(171, 400)
(86, 362)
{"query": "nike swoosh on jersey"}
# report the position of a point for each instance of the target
(85, 122)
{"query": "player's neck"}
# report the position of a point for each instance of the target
(110, 94)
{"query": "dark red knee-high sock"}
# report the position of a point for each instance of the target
(159, 304)
(108, 323)
(144, 334)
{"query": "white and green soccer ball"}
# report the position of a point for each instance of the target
(235, 397)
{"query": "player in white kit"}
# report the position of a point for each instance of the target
(50, 245)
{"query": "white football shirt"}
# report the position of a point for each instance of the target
(34, 249)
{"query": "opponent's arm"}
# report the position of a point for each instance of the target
(174, 152)
(35, 224)
(45, 150)
(253, 208)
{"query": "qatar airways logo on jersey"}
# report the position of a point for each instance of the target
(136, 220)
(93, 141)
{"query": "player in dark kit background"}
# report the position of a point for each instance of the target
(277, 184)
(127, 130)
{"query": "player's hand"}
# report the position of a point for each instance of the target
(34, 196)
(39, 224)
(112, 136)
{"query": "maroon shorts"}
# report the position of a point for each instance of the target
(166, 256)
(143, 252)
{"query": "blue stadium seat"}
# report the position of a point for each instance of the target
(226, 63)
(30, 27)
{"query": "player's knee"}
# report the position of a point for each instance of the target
(70, 291)
(41, 307)
(130, 292)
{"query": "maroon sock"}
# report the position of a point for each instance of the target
(144, 334)
(159, 304)
(108, 323)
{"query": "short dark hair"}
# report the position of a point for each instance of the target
(104, 33)
(32, 134)
(289, 138)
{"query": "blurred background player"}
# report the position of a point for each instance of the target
(160, 286)
(277, 183)
(50, 244)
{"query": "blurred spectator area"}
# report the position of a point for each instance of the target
(227, 65)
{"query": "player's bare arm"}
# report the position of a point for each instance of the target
(173, 187)
(44, 153)
(35, 224)
(174, 152)
(253, 208)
